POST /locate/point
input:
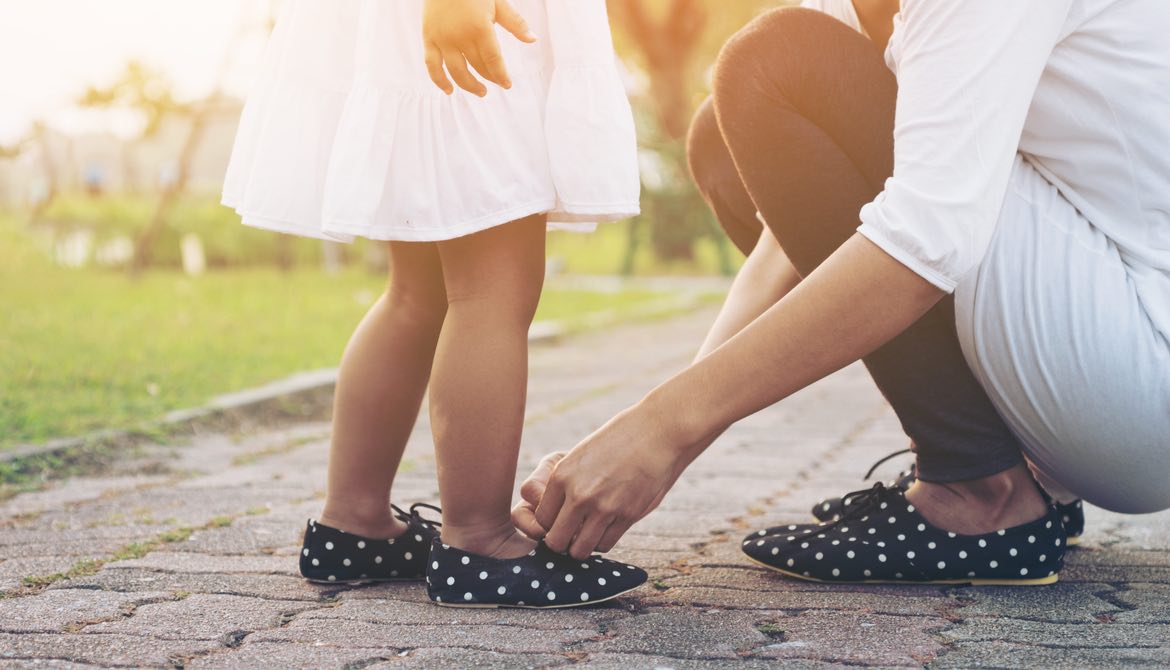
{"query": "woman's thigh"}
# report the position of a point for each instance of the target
(805, 105)
(1052, 325)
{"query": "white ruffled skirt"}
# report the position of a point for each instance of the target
(345, 135)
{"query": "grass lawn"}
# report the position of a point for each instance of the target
(87, 349)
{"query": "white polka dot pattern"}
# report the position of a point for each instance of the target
(857, 547)
(543, 579)
(331, 555)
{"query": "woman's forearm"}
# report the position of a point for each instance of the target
(856, 301)
(765, 278)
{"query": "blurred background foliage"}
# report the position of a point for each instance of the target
(126, 290)
(160, 185)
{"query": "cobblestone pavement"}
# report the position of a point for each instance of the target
(186, 557)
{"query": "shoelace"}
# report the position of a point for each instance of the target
(877, 465)
(414, 513)
(850, 499)
(864, 501)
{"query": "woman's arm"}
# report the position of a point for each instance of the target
(967, 72)
(853, 303)
(765, 278)
(877, 18)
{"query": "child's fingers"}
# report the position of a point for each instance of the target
(434, 60)
(524, 518)
(457, 67)
(513, 22)
(589, 536)
(488, 61)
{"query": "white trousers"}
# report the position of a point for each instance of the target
(1060, 336)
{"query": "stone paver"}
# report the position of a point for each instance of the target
(185, 556)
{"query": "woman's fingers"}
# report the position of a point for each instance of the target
(549, 506)
(513, 22)
(612, 534)
(533, 488)
(562, 524)
(524, 518)
(434, 59)
(589, 536)
(457, 67)
(532, 493)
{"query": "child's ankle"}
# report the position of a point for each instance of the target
(500, 540)
(381, 525)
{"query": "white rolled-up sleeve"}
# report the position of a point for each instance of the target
(967, 72)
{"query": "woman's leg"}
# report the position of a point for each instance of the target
(806, 108)
(380, 387)
(714, 173)
(1080, 372)
(767, 275)
(480, 378)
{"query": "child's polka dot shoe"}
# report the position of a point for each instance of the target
(884, 539)
(331, 556)
(542, 579)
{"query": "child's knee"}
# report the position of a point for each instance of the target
(423, 305)
(496, 303)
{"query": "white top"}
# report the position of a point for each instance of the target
(345, 135)
(1079, 88)
(842, 10)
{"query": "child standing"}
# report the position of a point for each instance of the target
(349, 135)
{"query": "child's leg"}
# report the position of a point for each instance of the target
(379, 390)
(480, 379)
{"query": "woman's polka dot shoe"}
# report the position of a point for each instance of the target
(885, 540)
(332, 556)
(1072, 516)
(542, 579)
(830, 509)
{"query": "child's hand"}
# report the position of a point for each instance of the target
(459, 33)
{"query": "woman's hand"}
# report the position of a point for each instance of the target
(587, 499)
(531, 491)
(460, 33)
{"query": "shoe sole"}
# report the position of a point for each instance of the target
(362, 582)
(973, 581)
(473, 606)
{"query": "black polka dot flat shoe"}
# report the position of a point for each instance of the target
(829, 509)
(542, 579)
(334, 556)
(883, 539)
(1072, 516)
